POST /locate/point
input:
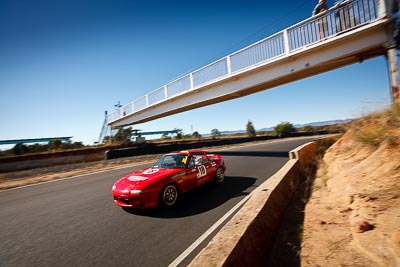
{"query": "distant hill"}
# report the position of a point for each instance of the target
(323, 123)
(270, 129)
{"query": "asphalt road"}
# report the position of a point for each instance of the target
(74, 222)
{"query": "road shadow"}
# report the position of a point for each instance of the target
(279, 154)
(201, 199)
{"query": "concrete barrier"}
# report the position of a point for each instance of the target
(247, 239)
(41, 163)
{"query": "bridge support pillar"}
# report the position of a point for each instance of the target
(393, 74)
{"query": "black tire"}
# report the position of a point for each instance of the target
(219, 175)
(169, 195)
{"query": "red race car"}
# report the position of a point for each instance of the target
(173, 173)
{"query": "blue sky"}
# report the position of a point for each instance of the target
(64, 62)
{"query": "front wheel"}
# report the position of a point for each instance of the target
(219, 175)
(169, 195)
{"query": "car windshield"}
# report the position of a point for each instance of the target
(171, 161)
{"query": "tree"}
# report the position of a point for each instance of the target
(178, 133)
(196, 135)
(215, 133)
(78, 145)
(165, 136)
(20, 149)
(37, 148)
(123, 135)
(106, 139)
(250, 129)
(284, 129)
(55, 144)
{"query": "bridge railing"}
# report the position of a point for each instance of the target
(316, 29)
(338, 20)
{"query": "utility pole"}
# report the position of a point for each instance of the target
(393, 74)
(392, 8)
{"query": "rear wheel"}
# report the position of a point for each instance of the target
(169, 195)
(219, 175)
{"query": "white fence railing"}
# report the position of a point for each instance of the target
(344, 18)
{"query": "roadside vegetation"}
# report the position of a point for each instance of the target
(52, 146)
(377, 128)
(123, 138)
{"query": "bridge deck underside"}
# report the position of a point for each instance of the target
(344, 49)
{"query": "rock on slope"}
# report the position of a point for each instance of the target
(353, 216)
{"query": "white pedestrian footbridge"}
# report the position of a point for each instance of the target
(351, 33)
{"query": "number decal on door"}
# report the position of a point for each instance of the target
(202, 171)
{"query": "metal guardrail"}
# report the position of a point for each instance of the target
(348, 16)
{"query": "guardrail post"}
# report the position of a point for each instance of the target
(286, 41)
(228, 65)
(165, 92)
(382, 10)
(191, 81)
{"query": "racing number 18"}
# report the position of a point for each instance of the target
(202, 171)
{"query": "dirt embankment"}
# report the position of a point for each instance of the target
(353, 215)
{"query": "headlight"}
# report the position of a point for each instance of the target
(135, 192)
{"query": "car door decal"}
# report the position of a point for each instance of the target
(202, 171)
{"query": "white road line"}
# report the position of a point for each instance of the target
(196, 243)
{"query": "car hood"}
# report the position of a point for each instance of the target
(142, 178)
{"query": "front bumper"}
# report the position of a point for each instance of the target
(136, 201)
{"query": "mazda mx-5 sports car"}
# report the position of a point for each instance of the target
(172, 174)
